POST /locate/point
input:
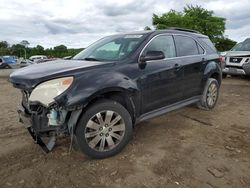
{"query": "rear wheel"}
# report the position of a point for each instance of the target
(104, 129)
(224, 75)
(6, 66)
(210, 95)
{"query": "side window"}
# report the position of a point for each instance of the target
(186, 46)
(200, 49)
(164, 44)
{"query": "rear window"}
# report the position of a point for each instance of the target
(209, 44)
(186, 46)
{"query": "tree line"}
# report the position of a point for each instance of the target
(199, 19)
(22, 50)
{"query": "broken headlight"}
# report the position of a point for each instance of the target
(47, 91)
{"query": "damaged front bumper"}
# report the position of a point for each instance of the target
(44, 134)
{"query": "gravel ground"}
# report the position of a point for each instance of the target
(185, 148)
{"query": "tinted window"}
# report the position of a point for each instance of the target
(208, 43)
(164, 44)
(185, 46)
(201, 50)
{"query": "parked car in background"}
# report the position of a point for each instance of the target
(7, 62)
(25, 63)
(38, 58)
(98, 96)
(3, 65)
(237, 60)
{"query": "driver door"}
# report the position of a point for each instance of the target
(161, 80)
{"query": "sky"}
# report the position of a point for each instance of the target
(78, 23)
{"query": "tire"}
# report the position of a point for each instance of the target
(6, 66)
(224, 75)
(210, 95)
(95, 133)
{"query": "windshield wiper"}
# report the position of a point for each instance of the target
(90, 59)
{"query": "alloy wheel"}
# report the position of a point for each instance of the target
(212, 94)
(104, 131)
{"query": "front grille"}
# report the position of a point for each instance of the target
(235, 59)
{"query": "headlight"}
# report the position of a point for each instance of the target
(47, 91)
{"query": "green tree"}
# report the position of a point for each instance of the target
(4, 44)
(60, 51)
(196, 18)
(21, 49)
(18, 50)
(39, 49)
(4, 48)
(224, 44)
(25, 43)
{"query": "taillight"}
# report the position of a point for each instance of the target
(222, 59)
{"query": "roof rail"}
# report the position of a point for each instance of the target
(183, 29)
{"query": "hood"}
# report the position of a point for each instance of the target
(30, 76)
(238, 53)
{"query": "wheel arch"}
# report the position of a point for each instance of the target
(212, 70)
(125, 97)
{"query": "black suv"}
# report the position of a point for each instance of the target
(100, 94)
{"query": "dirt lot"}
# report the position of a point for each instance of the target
(185, 148)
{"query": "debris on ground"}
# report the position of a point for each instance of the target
(215, 172)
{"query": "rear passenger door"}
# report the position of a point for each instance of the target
(191, 57)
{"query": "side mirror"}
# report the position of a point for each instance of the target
(152, 55)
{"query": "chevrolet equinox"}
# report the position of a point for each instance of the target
(97, 96)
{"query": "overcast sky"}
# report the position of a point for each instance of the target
(77, 23)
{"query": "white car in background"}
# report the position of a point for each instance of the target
(237, 60)
(38, 58)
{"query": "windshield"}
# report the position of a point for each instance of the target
(242, 46)
(112, 48)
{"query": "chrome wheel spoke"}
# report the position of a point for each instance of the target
(210, 101)
(108, 117)
(120, 127)
(102, 144)
(117, 136)
(115, 120)
(93, 125)
(99, 117)
(95, 141)
(110, 142)
(91, 134)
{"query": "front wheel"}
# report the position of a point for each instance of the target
(104, 129)
(210, 95)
